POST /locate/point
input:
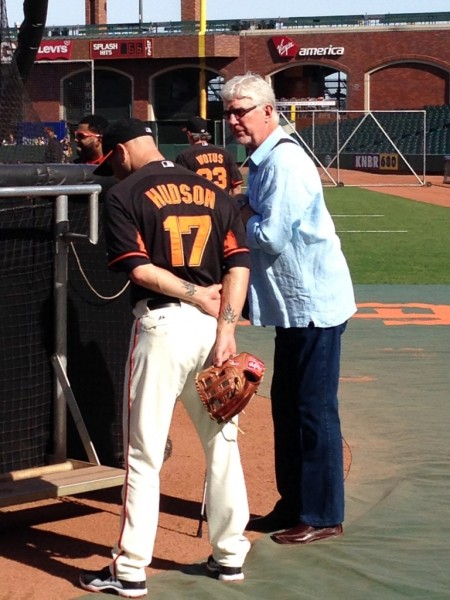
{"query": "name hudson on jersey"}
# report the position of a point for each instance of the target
(161, 195)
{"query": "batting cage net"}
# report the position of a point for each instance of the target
(98, 325)
(22, 134)
(25, 324)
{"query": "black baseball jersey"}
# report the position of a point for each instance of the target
(212, 162)
(171, 217)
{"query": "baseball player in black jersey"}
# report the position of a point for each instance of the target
(181, 241)
(205, 159)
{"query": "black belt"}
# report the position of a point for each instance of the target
(154, 304)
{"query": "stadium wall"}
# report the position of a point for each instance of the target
(393, 68)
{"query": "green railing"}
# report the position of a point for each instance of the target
(238, 25)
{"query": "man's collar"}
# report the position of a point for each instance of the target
(266, 147)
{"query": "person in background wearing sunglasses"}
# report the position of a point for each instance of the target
(299, 284)
(208, 160)
(88, 139)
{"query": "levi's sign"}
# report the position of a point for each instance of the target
(55, 50)
(140, 48)
(287, 48)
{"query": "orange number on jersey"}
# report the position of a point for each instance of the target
(179, 226)
(217, 175)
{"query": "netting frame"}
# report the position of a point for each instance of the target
(62, 239)
(336, 180)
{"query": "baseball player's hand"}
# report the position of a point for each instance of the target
(225, 347)
(209, 299)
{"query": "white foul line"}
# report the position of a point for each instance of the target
(366, 230)
(356, 216)
(372, 231)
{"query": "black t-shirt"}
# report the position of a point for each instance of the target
(212, 162)
(173, 218)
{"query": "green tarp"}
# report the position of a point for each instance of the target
(396, 417)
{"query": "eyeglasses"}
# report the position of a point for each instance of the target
(82, 135)
(238, 112)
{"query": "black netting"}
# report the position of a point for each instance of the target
(98, 328)
(25, 294)
(98, 333)
(23, 137)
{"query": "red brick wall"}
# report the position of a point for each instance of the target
(408, 87)
(190, 10)
(183, 46)
(96, 12)
(365, 52)
(408, 69)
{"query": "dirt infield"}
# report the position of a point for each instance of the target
(405, 186)
(45, 544)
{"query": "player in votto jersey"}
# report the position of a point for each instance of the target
(181, 241)
(212, 162)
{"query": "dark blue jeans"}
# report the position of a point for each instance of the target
(308, 440)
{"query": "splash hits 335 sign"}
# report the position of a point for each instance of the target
(140, 48)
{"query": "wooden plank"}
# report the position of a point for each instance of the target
(54, 485)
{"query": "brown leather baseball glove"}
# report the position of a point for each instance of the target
(226, 390)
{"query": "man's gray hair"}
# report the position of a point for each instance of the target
(250, 85)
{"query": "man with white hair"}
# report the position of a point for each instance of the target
(300, 284)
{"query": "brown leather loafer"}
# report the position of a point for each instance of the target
(305, 534)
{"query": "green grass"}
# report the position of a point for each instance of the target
(420, 256)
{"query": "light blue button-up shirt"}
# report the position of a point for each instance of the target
(298, 271)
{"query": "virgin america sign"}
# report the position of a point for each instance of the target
(287, 48)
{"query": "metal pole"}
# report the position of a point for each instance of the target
(92, 88)
(202, 60)
(141, 13)
(93, 218)
(60, 323)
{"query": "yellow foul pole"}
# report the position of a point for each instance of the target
(202, 55)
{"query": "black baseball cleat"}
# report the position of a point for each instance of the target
(103, 581)
(224, 573)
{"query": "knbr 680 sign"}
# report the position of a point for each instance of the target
(376, 162)
(388, 162)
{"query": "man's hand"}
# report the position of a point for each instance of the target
(234, 290)
(225, 346)
(161, 280)
(209, 299)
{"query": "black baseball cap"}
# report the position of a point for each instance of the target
(196, 125)
(119, 132)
